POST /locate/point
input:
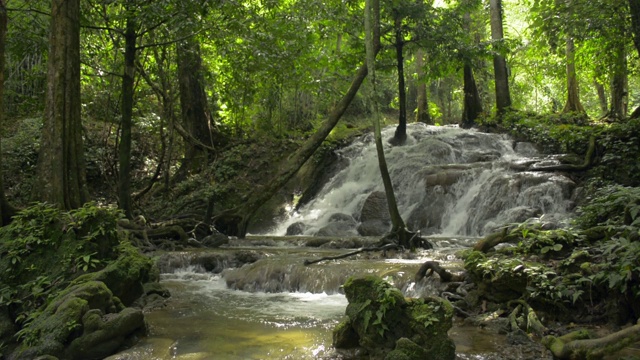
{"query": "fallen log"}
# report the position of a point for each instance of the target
(578, 345)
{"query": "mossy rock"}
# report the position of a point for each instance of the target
(379, 316)
(125, 276)
(84, 322)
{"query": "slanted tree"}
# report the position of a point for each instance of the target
(503, 96)
(61, 168)
(6, 209)
(400, 135)
(372, 41)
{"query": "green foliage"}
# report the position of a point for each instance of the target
(44, 247)
(609, 205)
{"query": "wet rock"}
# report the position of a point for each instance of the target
(297, 228)
(339, 225)
(7, 327)
(387, 324)
(373, 228)
(215, 240)
(375, 208)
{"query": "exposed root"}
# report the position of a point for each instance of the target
(431, 267)
(532, 323)
(578, 344)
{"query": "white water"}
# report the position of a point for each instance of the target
(486, 196)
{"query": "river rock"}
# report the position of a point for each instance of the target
(373, 228)
(339, 225)
(375, 208)
(386, 325)
(297, 228)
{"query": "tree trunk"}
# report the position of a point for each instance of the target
(422, 113)
(634, 6)
(235, 221)
(602, 96)
(6, 209)
(400, 135)
(503, 97)
(124, 153)
(372, 33)
(61, 173)
(573, 95)
(472, 107)
(619, 84)
(196, 117)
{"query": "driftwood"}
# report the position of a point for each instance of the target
(578, 345)
(430, 267)
(359, 251)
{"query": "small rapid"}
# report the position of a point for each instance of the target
(448, 181)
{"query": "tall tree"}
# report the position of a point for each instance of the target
(472, 107)
(128, 78)
(372, 41)
(573, 103)
(196, 115)
(503, 96)
(61, 174)
(6, 209)
(422, 111)
(400, 135)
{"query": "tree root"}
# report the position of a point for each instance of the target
(532, 325)
(362, 250)
(579, 345)
(430, 267)
(490, 241)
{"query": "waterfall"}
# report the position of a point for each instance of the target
(447, 181)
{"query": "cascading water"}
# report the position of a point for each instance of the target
(447, 181)
(254, 299)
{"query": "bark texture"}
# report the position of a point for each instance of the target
(400, 135)
(124, 151)
(472, 102)
(422, 112)
(196, 117)
(503, 96)
(61, 175)
(573, 95)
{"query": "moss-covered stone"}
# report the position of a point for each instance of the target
(379, 315)
(84, 315)
(125, 276)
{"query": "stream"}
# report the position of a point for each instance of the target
(452, 185)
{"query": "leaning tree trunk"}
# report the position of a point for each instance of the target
(503, 96)
(372, 36)
(235, 221)
(422, 113)
(400, 135)
(573, 95)
(61, 173)
(6, 209)
(124, 151)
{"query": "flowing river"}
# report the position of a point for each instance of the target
(452, 184)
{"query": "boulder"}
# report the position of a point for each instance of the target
(386, 325)
(297, 228)
(339, 225)
(85, 314)
(374, 228)
(375, 208)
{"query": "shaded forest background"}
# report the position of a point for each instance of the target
(197, 103)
